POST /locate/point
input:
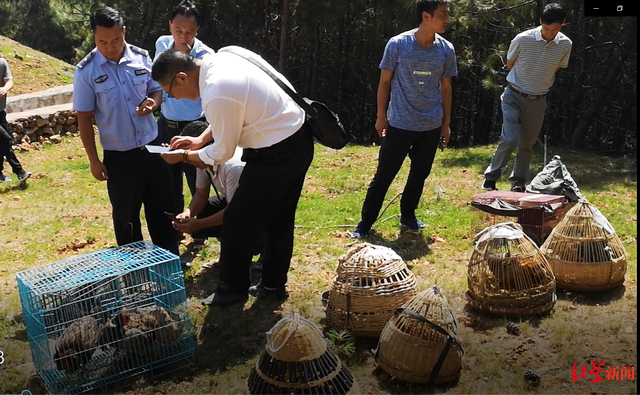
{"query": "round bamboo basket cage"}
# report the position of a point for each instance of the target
(371, 283)
(297, 360)
(420, 342)
(508, 274)
(584, 251)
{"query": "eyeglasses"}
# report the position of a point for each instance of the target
(171, 86)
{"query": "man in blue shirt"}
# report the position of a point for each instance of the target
(414, 109)
(113, 84)
(176, 114)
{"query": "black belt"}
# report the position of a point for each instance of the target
(181, 124)
(528, 97)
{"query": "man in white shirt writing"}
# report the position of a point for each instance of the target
(245, 108)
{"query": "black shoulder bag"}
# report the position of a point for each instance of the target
(324, 123)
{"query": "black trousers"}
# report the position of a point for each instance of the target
(214, 206)
(265, 203)
(396, 145)
(165, 134)
(6, 147)
(137, 177)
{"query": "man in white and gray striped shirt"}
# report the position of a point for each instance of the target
(534, 57)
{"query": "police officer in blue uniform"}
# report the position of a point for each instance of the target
(113, 84)
(176, 114)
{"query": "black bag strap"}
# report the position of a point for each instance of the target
(295, 96)
(439, 329)
(212, 184)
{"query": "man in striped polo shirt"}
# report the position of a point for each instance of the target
(534, 57)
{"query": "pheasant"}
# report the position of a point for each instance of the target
(75, 346)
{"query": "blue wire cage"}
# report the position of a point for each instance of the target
(97, 319)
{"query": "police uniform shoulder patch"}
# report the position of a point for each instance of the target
(101, 79)
(85, 61)
(139, 50)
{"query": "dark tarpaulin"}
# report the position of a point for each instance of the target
(555, 179)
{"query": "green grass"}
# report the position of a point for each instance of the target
(65, 212)
(36, 71)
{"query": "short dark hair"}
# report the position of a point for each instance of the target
(553, 13)
(429, 6)
(194, 128)
(187, 9)
(171, 62)
(105, 17)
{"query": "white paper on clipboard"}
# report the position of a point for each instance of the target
(157, 149)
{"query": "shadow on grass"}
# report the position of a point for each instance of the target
(396, 386)
(481, 322)
(409, 245)
(590, 171)
(234, 335)
(593, 299)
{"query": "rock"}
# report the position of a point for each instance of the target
(41, 139)
(58, 128)
(61, 119)
(47, 131)
(42, 122)
(29, 132)
(26, 139)
(72, 129)
(70, 121)
(56, 138)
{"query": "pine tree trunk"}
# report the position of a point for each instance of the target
(579, 136)
(284, 35)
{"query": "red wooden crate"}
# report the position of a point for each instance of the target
(538, 214)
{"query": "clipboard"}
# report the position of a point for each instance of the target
(157, 149)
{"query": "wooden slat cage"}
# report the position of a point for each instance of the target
(371, 283)
(297, 360)
(420, 342)
(584, 251)
(508, 275)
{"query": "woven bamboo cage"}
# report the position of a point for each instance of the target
(297, 360)
(371, 283)
(508, 274)
(420, 342)
(584, 251)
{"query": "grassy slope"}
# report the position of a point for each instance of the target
(37, 71)
(65, 212)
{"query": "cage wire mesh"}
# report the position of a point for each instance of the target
(420, 343)
(371, 283)
(96, 319)
(508, 274)
(584, 251)
(297, 360)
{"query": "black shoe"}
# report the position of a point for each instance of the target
(518, 188)
(4, 178)
(413, 224)
(224, 297)
(361, 231)
(489, 185)
(185, 264)
(280, 293)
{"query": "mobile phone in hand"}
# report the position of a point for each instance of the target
(170, 215)
(143, 101)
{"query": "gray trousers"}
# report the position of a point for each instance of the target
(521, 124)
